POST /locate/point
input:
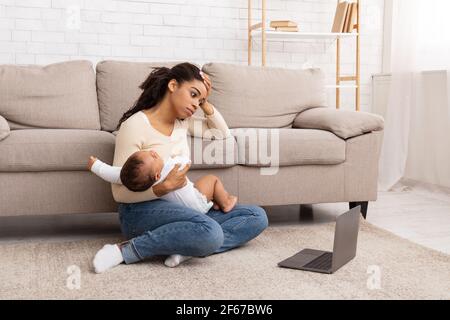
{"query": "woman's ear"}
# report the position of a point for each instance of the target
(172, 85)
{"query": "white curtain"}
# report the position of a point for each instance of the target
(417, 121)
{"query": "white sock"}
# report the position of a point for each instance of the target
(175, 259)
(107, 257)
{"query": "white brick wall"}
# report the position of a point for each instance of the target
(200, 31)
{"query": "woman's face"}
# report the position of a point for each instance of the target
(187, 97)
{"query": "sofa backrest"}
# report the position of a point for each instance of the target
(118, 88)
(264, 97)
(60, 95)
(70, 95)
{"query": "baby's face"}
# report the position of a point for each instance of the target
(153, 163)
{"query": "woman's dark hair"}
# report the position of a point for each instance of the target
(155, 86)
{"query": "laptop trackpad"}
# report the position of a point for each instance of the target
(300, 259)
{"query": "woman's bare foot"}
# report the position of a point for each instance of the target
(229, 204)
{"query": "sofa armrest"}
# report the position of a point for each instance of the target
(343, 123)
(4, 128)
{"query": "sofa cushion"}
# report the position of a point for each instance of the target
(210, 154)
(60, 95)
(118, 87)
(263, 97)
(343, 123)
(4, 128)
(54, 149)
(288, 146)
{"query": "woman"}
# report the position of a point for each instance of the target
(160, 120)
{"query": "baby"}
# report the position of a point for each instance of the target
(144, 169)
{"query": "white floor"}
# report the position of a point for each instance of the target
(417, 212)
(413, 211)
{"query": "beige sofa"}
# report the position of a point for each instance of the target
(53, 117)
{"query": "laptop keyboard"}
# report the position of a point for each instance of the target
(322, 262)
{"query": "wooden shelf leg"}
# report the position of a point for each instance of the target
(263, 26)
(338, 72)
(358, 70)
(249, 52)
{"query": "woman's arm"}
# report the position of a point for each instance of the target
(212, 126)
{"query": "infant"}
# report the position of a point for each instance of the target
(144, 169)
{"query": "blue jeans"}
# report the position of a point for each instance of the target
(159, 227)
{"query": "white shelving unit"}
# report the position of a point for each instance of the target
(259, 31)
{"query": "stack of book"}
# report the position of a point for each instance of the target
(345, 17)
(284, 25)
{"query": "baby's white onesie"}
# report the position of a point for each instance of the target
(188, 195)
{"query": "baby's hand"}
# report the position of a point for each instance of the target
(91, 162)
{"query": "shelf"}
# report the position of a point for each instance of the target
(293, 36)
(347, 86)
(257, 30)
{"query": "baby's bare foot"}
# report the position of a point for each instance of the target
(229, 204)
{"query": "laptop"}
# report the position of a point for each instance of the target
(344, 248)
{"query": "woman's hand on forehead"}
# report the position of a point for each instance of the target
(207, 83)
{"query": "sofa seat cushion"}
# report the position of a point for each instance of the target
(212, 154)
(54, 149)
(264, 147)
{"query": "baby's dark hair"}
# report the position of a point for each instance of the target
(132, 176)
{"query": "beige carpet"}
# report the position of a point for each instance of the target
(407, 271)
